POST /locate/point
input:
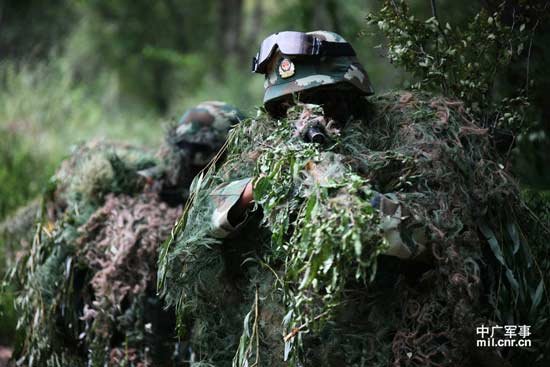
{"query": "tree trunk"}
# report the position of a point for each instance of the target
(230, 16)
(332, 11)
(252, 41)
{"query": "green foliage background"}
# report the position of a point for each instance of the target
(121, 69)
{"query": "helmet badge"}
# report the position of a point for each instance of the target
(286, 68)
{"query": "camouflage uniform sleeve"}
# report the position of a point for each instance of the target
(224, 197)
(392, 215)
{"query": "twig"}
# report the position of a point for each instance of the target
(278, 279)
(529, 58)
(395, 7)
(442, 32)
(296, 330)
(536, 218)
(255, 331)
(434, 9)
(543, 11)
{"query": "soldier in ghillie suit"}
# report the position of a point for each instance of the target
(330, 92)
(88, 293)
(345, 231)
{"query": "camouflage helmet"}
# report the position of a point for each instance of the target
(288, 74)
(206, 125)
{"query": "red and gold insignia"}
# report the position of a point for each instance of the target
(286, 68)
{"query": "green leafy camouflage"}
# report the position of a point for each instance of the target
(87, 284)
(88, 296)
(306, 278)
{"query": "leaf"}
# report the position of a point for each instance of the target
(246, 322)
(261, 186)
(358, 246)
(537, 298)
(513, 281)
(310, 206)
(306, 278)
(68, 264)
(514, 235)
(288, 318)
(327, 263)
(520, 48)
(288, 349)
(493, 243)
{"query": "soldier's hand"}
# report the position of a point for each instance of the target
(238, 213)
(247, 197)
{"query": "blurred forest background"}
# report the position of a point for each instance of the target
(121, 69)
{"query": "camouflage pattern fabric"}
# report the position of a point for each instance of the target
(224, 197)
(392, 217)
(207, 125)
(344, 72)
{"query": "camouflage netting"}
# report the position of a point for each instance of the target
(304, 276)
(88, 296)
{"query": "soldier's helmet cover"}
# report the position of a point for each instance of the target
(205, 127)
(286, 75)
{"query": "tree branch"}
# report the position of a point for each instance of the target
(434, 9)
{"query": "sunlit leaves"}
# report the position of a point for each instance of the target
(458, 61)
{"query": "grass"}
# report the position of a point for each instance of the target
(50, 108)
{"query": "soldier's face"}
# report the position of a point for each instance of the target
(336, 104)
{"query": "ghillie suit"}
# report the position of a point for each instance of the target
(88, 294)
(309, 275)
(89, 283)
